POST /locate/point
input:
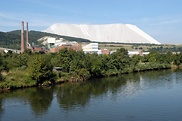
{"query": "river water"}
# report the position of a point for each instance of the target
(146, 96)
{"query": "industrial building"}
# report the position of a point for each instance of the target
(25, 44)
(56, 44)
(91, 48)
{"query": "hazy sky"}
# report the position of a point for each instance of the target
(161, 19)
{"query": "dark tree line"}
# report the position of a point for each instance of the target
(167, 49)
(12, 39)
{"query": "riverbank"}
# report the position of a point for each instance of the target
(37, 69)
(145, 96)
(20, 79)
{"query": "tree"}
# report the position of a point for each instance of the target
(121, 52)
(83, 74)
(177, 59)
(28, 52)
(40, 69)
(77, 61)
(1, 67)
(93, 64)
(65, 57)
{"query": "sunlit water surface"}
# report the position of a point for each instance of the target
(148, 96)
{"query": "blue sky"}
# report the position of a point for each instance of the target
(161, 19)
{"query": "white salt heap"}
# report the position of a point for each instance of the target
(118, 33)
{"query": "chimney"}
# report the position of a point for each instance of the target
(22, 38)
(27, 36)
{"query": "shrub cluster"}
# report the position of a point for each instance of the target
(37, 68)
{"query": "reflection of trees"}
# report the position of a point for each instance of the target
(40, 100)
(73, 94)
(177, 75)
(155, 79)
(1, 109)
(70, 95)
(114, 84)
(153, 75)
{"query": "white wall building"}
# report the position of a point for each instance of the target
(52, 42)
(137, 52)
(91, 48)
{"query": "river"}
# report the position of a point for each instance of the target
(146, 96)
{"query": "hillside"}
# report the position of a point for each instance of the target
(12, 39)
(116, 33)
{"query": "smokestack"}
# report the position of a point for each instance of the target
(22, 38)
(27, 36)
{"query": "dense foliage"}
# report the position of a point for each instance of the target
(40, 68)
(36, 69)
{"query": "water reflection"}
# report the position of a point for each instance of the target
(1, 108)
(157, 79)
(40, 99)
(73, 96)
(70, 95)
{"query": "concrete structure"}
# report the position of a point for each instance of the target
(27, 43)
(55, 45)
(137, 52)
(24, 45)
(37, 49)
(90, 48)
(105, 51)
(134, 52)
(145, 53)
(7, 49)
(51, 42)
(113, 51)
(22, 38)
(76, 47)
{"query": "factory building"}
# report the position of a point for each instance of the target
(90, 48)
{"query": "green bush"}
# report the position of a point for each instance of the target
(17, 79)
(40, 69)
(1, 77)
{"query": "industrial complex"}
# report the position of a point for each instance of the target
(53, 45)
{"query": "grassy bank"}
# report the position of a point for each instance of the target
(16, 79)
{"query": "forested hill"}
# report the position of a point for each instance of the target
(12, 39)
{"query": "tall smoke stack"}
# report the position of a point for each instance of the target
(22, 38)
(27, 36)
